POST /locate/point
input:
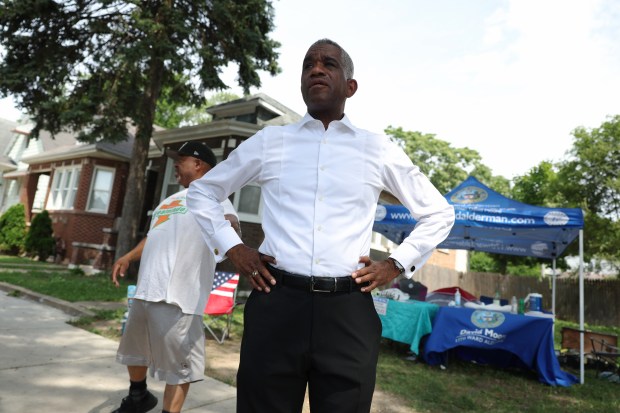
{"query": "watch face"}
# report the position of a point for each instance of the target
(399, 267)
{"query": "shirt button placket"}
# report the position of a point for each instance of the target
(318, 208)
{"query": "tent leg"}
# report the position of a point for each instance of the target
(581, 309)
(553, 293)
(553, 289)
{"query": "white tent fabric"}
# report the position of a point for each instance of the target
(490, 222)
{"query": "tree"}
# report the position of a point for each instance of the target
(445, 166)
(483, 262)
(13, 229)
(40, 239)
(590, 176)
(93, 66)
(589, 179)
(539, 186)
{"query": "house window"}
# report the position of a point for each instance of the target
(381, 243)
(171, 186)
(248, 203)
(64, 188)
(39, 196)
(12, 194)
(100, 190)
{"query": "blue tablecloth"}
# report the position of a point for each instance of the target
(501, 339)
(408, 321)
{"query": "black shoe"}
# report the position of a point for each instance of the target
(143, 405)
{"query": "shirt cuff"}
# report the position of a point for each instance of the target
(224, 241)
(404, 254)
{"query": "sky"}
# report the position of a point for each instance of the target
(510, 79)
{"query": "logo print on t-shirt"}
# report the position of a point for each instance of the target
(162, 214)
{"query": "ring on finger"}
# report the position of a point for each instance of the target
(254, 273)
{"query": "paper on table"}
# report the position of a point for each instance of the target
(490, 307)
(394, 294)
(539, 314)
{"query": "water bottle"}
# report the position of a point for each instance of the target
(497, 299)
(514, 305)
(457, 298)
(131, 292)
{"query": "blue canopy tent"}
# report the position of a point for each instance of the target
(490, 222)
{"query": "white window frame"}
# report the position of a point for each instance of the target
(245, 216)
(61, 184)
(381, 243)
(39, 196)
(169, 181)
(91, 189)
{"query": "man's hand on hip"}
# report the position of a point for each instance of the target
(377, 273)
(251, 264)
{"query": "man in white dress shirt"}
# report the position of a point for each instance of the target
(310, 319)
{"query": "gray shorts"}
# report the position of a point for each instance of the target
(170, 343)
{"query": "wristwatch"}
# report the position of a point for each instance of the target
(398, 266)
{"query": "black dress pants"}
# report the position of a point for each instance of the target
(293, 338)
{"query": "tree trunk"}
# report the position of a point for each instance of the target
(134, 194)
(136, 182)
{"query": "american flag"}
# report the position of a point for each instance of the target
(222, 298)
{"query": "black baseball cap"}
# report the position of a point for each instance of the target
(197, 150)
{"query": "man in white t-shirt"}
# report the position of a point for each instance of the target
(174, 282)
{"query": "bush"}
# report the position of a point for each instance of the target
(482, 262)
(40, 239)
(13, 230)
(523, 269)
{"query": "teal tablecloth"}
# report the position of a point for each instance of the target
(408, 321)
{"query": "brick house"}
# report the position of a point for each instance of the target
(81, 186)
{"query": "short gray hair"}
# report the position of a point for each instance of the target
(347, 62)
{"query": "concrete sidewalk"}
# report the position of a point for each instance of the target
(46, 365)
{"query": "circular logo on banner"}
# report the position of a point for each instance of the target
(487, 319)
(539, 248)
(380, 213)
(556, 218)
(469, 195)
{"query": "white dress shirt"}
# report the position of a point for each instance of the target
(320, 190)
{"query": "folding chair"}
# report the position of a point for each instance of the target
(219, 308)
(606, 355)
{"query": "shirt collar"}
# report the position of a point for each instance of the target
(345, 121)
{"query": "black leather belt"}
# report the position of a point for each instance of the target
(315, 284)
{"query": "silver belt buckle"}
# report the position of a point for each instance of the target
(316, 290)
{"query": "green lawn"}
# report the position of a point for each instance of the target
(468, 387)
(57, 281)
(462, 387)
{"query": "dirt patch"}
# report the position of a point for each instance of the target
(222, 360)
